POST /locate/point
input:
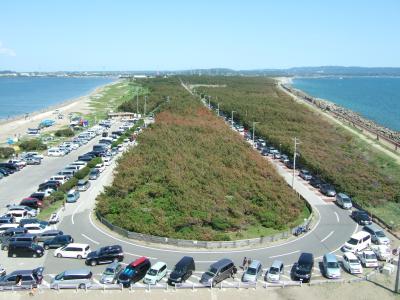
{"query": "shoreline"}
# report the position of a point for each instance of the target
(17, 126)
(344, 115)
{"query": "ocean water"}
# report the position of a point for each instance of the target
(375, 98)
(21, 95)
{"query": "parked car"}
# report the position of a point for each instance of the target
(18, 215)
(328, 190)
(94, 174)
(157, 272)
(59, 178)
(358, 242)
(83, 185)
(48, 235)
(344, 201)
(7, 220)
(53, 185)
(182, 270)
(368, 259)
(31, 202)
(8, 234)
(23, 222)
(316, 182)
(39, 195)
(73, 196)
(351, 263)
(33, 161)
(111, 273)
(274, 272)
(58, 241)
(36, 228)
(218, 272)
(23, 237)
(305, 174)
(331, 267)
(105, 255)
(29, 278)
(377, 234)
(134, 272)
(21, 208)
(289, 164)
(25, 249)
(304, 266)
(73, 250)
(361, 217)
(81, 279)
(382, 252)
(56, 152)
(253, 272)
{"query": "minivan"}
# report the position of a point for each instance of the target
(73, 196)
(134, 272)
(377, 234)
(357, 242)
(304, 266)
(253, 272)
(343, 201)
(48, 235)
(331, 266)
(73, 250)
(218, 272)
(81, 279)
(29, 278)
(83, 185)
(60, 178)
(25, 249)
(22, 237)
(155, 273)
(274, 272)
(18, 215)
(182, 270)
(67, 172)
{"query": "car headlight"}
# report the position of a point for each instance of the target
(179, 279)
(38, 251)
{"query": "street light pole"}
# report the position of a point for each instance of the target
(254, 126)
(232, 118)
(296, 142)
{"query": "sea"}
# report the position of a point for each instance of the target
(375, 98)
(22, 95)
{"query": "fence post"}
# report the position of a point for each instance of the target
(130, 288)
(220, 285)
(255, 285)
(148, 287)
(193, 287)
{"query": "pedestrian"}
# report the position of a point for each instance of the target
(248, 262)
(244, 262)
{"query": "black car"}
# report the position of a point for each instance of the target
(182, 270)
(265, 151)
(5, 172)
(25, 249)
(316, 182)
(303, 268)
(10, 232)
(134, 272)
(105, 255)
(10, 166)
(289, 164)
(361, 217)
(328, 190)
(38, 195)
(58, 241)
(51, 184)
(85, 158)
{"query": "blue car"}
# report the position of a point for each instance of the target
(73, 196)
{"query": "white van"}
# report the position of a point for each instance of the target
(82, 164)
(60, 178)
(55, 152)
(156, 273)
(358, 241)
(73, 250)
(18, 215)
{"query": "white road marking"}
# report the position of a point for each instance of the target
(285, 254)
(96, 281)
(73, 214)
(93, 241)
(327, 237)
(131, 254)
(337, 216)
(197, 277)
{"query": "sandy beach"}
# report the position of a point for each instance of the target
(18, 126)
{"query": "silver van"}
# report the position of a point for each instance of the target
(343, 201)
(218, 272)
(377, 234)
(81, 278)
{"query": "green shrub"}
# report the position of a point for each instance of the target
(95, 161)
(32, 145)
(82, 173)
(64, 132)
(6, 152)
(70, 184)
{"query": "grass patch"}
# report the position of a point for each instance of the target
(46, 212)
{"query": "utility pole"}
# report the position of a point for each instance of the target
(254, 127)
(397, 286)
(145, 104)
(296, 142)
(232, 118)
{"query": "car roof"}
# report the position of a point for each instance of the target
(368, 251)
(158, 265)
(373, 227)
(276, 264)
(77, 245)
(138, 261)
(52, 231)
(77, 272)
(222, 262)
(343, 195)
(330, 257)
(306, 257)
(21, 272)
(254, 264)
(350, 255)
(359, 235)
(185, 260)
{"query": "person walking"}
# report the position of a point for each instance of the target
(244, 265)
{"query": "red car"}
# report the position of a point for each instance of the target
(32, 202)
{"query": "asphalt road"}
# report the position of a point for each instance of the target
(332, 230)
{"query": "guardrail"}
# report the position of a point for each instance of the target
(203, 244)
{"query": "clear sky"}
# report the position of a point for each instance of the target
(172, 35)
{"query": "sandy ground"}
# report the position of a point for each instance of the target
(19, 127)
(379, 288)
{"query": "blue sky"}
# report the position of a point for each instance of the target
(159, 35)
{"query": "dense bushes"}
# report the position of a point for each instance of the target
(191, 177)
(6, 152)
(32, 145)
(68, 132)
(372, 179)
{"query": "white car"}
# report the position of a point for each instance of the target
(351, 263)
(82, 164)
(368, 259)
(20, 208)
(73, 250)
(18, 215)
(56, 152)
(107, 160)
(155, 273)
(18, 162)
(60, 178)
(46, 192)
(101, 167)
(35, 154)
(382, 252)
(36, 228)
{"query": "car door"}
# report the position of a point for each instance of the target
(346, 263)
(162, 272)
(11, 280)
(69, 252)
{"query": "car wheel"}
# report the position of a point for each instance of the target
(59, 255)
(5, 248)
(46, 247)
(82, 286)
(14, 255)
(79, 257)
(116, 260)
(93, 263)
(34, 255)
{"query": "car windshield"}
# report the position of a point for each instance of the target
(346, 200)
(353, 261)
(109, 271)
(59, 276)
(302, 267)
(152, 272)
(370, 256)
(333, 265)
(353, 241)
(212, 270)
(380, 234)
(251, 271)
(274, 270)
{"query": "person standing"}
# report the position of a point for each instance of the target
(244, 265)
